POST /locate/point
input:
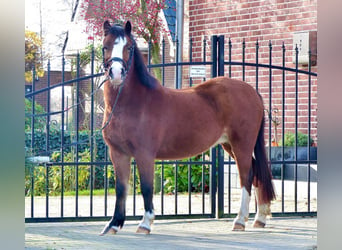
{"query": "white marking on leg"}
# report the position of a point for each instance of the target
(243, 214)
(262, 209)
(107, 228)
(147, 220)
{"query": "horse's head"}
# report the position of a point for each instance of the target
(118, 48)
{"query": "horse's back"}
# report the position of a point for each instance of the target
(231, 96)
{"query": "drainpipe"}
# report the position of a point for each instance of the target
(179, 32)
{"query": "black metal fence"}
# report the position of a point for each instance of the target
(69, 176)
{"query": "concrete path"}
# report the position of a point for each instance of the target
(280, 233)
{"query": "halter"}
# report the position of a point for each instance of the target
(126, 65)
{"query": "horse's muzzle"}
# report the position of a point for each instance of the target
(116, 70)
(116, 73)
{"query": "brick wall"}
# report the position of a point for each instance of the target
(262, 21)
(42, 82)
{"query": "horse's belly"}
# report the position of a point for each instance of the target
(189, 146)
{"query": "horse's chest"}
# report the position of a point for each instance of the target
(118, 135)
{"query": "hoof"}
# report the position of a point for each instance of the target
(238, 227)
(108, 230)
(258, 224)
(143, 230)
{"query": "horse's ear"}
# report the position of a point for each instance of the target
(106, 27)
(128, 28)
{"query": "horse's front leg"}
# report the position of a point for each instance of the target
(122, 169)
(146, 172)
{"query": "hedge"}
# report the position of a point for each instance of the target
(39, 147)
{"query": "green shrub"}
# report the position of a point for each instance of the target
(39, 147)
(69, 175)
(40, 122)
(169, 182)
(290, 139)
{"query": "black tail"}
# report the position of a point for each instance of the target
(262, 170)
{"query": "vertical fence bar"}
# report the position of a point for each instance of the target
(162, 189)
(32, 168)
(220, 56)
(204, 53)
(62, 139)
(283, 132)
(92, 179)
(309, 129)
(230, 57)
(47, 137)
(163, 61)
(77, 129)
(189, 187)
(229, 185)
(47, 190)
(220, 154)
(213, 184)
(270, 100)
(32, 190)
(134, 188)
(243, 60)
(190, 59)
(257, 66)
(203, 185)
(214, 56)
(176, 189)
(106, 181)
(296, 129)
(177, 83)
(220, 182)
(213, 180)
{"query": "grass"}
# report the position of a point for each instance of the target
(87, 192)
(101, 192)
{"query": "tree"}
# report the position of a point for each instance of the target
(143, 14)
(33, 57)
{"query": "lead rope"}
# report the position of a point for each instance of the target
(113, 108)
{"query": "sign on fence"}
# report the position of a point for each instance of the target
(197, 71)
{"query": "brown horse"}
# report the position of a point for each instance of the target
(147, 121)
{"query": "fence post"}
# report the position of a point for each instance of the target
(213, 152)
(220, 53)
(220, 153)
(214, 56)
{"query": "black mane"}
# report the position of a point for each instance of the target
(145, 77)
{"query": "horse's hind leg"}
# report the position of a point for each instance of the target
(122, 172)
(263, 209)
(146, 172)
(244, 162)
